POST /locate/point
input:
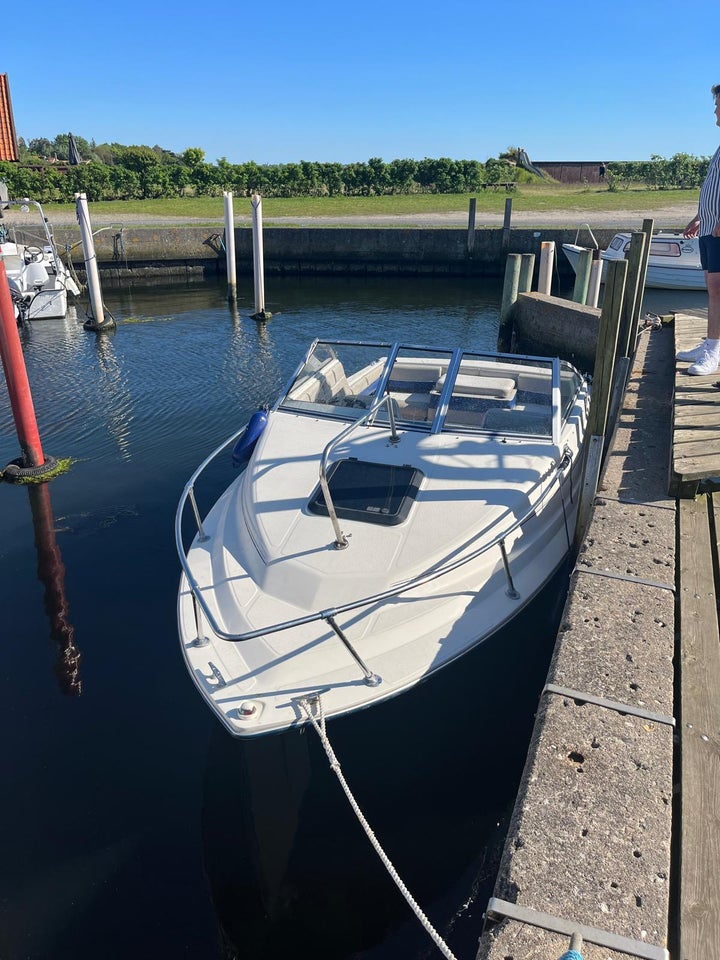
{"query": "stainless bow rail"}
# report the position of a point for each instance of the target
(329, 615)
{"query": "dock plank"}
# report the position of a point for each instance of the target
(695, 459)
(699, 919)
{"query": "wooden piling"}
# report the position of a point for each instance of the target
(602, 389)
(547, 260)
(593, 294)
(509, 296)
(647, 228)
(637, 267)
(506, 224)
(471, 224)
(582, 277)
(527, 268)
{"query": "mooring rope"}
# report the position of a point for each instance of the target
(319, 723)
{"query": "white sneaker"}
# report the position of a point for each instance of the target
(708, 363)
(691, 355)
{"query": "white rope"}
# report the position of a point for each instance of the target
(307, 706)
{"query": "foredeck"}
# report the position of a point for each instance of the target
(695, 464)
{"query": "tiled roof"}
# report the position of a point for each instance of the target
(8, 137)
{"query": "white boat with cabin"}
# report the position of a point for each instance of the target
(398, 506)
(673, 260)
(39, 281)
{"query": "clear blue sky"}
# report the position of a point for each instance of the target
(285, 80)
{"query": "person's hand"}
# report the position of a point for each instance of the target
(691, 230)
(716, 229)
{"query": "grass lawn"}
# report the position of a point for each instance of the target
(535, 197)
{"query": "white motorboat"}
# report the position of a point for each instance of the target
(398, 506)
(673, 261)
(39, 281)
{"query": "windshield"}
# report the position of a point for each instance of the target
(436, 390)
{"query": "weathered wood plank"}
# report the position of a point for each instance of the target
(704, 439)
(697, 468)
(685, 416)
(699, 927)
(696, 416)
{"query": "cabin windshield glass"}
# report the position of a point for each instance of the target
(412, 384)
(338, 378)
(434, 390)
(500, 395)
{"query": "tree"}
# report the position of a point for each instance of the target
(194, 156)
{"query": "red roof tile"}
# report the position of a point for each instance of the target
(8, 137)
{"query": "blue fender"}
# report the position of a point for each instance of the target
(242, 451)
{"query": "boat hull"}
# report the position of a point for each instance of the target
(344, 691)
(660, 275)
(428, 532)
(38, 279)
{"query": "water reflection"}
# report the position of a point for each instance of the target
(51, 573)
(113, 392)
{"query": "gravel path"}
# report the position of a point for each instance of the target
(671, 217)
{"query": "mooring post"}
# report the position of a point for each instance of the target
(13, 362)
(582, 277)
(633, 293)
(596, 270)
(506, 224)
(547, 260)
(509, 296)
(601, 389)
(471, 224)
(527, 268)
(647, 229)
(258, 264)
(230, 244)
(98, 320)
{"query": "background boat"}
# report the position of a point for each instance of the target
(39, 280)
(673, 263)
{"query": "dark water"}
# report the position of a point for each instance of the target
(132, 825)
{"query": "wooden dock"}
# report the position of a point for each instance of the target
(694, 478)
(641, 623)
(696, 418)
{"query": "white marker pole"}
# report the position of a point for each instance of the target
(91, 270)
(258, 265)
(595, 280)
(547, 259)
(230, 244)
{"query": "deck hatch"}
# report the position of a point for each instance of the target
(371, 492)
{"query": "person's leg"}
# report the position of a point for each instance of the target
(713, 288)
(709, 359)
(705, 251)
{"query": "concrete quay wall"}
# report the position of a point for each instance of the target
(129, 252)
(589, 841)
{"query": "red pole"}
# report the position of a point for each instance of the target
(17, 382)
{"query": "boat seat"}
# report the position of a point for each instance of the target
(322, 384)
(468, 385)
(13, 265)
(408, 376)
